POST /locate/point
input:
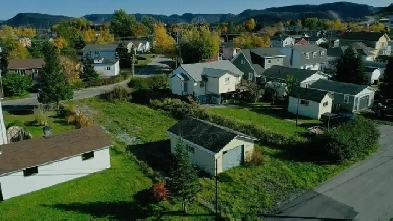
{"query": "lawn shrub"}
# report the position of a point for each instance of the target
(155, 82)
(39, 117)
(77, 118)
(119, 93)
(352, 139)
(102, 81)
(158, 192)
(180, 109)
(15, 84)
(137, 83)
(255, 159)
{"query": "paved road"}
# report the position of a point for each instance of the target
(362, 192)
(81, 94)
(158, 65)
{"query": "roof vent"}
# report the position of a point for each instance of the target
(47, 131)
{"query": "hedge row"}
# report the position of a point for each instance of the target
(180, 109)
(102, 81)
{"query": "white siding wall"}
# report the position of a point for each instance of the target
(102, 69)
(368, 91)
(3, 131)
(248, 150)
(296, 60)
(202, 158)
(311, 110)
(16, 184)
(376, 75)
(220, 85)
(176, 85)
(327, 108)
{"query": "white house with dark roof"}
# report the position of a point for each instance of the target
(276, 77)
(107, 67)
(347, 97)
(309, 102)
(211, 146)
(306, 56)
(208, 82)
(281, 41)
(38, 163)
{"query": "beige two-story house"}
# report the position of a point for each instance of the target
(375, 40)
(209, 82)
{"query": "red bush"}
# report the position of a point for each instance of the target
(159, 192)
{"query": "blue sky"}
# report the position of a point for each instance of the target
(77, 8)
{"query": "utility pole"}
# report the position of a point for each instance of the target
(217, 216)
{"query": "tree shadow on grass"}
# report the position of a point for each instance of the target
(156, 154)
(138, 208)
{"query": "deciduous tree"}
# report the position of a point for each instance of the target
(105, 37)
(149, 23)
(89, 36)
(139, 30)
(163, 42)
(15, 84)
(122, 23)
(311, 23)
(252, 41)
(17, 51)
(250, 24)
(7, 32)
(198, 45)
(70, 69)
(183, 185)
(60, 43)
(25, 32)
(35, 50)
(54, 85)
(350, 68)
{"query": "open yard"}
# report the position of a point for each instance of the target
(109, 194)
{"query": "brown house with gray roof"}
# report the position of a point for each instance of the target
(26, 66)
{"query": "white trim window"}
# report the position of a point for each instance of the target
(227, 80)
(314, 54)
(322, 53)
(346, 98)
(304, 102)
(108, 68)
(307, 55)
(185, 87)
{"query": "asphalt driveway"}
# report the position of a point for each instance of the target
(362, 192)
(158, 65)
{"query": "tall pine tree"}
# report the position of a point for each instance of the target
(183, 185)
(54, 84)
(89, 73)
(4, 63)
(387, 89)
(350, 68)
(124, 56)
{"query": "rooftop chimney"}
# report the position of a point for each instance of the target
(47, 131)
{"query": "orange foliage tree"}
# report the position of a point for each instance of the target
(70, 70)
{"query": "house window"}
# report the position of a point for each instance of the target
(108, 68)
(326, 103)
(185, 89)
(242, 61)
(88, 156)
(202, 83)
(322, 53)
(307, 55)
(269, 61)
(191, 149)
(30, 171)
(226, 81)
(346, 99)
(304, 102)
(314, 55)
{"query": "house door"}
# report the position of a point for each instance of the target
(363, 102)
(1, 194)
(232, 158)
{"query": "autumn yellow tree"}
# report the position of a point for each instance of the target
(105, 37)
(89, 36)
(248, 40)
(163, 43)
(377, 27)
(60, 43)
(139, 30)
(270, 31)
(25, 32)
(337, 25)
(71, 70)
(7, 32)
(250, 24)
(17, 51)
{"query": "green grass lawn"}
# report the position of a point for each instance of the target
(58, 124)
(108, 194)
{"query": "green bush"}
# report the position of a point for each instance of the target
(180, 109)
(137, 83)
(15, 84)
(155, 82)
(17, 123)
(356, 138)
(119, 93)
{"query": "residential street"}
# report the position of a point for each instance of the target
(363, 192)
(158, 65)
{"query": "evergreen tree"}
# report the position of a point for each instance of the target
(89, 73)
(350, 68)
(54, 85)
(124, 56)
(4, 63)
(183, 184)
(387, 88)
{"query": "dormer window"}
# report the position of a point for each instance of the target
(307, 55)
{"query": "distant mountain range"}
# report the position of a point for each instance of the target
(385, 11)
(342, 10)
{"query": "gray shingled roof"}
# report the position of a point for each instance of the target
(267, 52)
(100, 47)
(281, 72)
(308, 94)
(211, 136)
(338, 87)
(196, 70)
(310, 48)
(108, 61)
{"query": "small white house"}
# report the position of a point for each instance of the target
(209, 81)
(107, 67)
(309, 102)
(212, 147)
(38, 163)
(281, 41)
(375, 75)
